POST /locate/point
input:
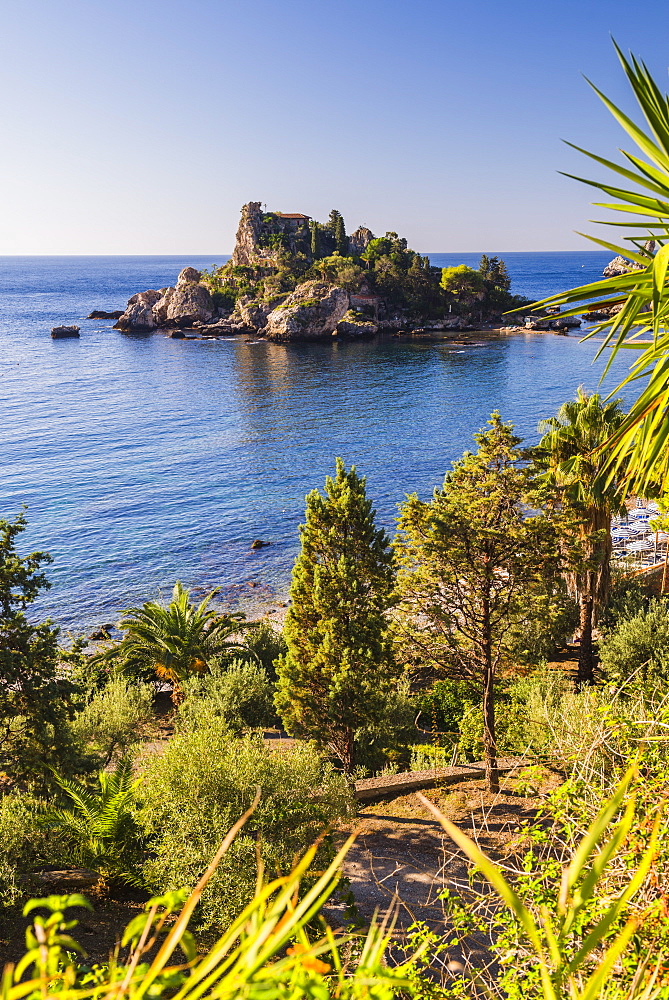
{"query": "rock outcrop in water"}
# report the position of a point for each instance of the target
(138, 313)
(620, 265)
(353, 325)
(313, 310)
(189, 302)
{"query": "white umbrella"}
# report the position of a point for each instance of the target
(654, 507)
(643, 545)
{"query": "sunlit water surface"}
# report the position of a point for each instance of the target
(143, 459)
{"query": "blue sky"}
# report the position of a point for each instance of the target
(138, 126)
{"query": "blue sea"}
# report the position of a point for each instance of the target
(142, 460)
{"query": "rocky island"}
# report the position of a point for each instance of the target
(293, 278)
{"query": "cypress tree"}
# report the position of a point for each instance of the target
(341, 239)
(339, 666)
(315, 242)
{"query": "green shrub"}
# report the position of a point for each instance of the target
(97, 824)
(224, 298)
(115, 719)
(424, 756)
(240, 695)
(442, 707)
(388, 740)
(266, 645)
(627, 596)
(193, 793)
(23, 845)
(638, 647)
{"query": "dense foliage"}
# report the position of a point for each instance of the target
(192, 794)
(35, 704)
(339, 664)
(478, 570)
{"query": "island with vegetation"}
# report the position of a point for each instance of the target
(177, 800)
(292, 278)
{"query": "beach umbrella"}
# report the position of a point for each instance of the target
(642, 545)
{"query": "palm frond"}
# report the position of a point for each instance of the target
(638, 449)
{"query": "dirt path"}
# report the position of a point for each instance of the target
(402, 852)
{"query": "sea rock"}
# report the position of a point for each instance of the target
(618, 266)
(252, 313)
(188, 303)
(139, 312)
(101, 314)
(258, 543)
(353, 326)
(313, 310)
(64, 332)
(248, 235)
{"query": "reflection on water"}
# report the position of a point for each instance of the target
(145, 459)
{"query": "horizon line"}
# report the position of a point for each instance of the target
(206, 253)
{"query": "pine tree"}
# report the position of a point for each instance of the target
(477, 572)
(339, 666)
(34, 701)
(315, 242)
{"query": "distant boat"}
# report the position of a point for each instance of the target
(62, 332)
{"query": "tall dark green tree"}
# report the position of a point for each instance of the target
(337, 672)
(315, 241)
(494, 273)
(338, 228)
(34, 701)
(478, 572)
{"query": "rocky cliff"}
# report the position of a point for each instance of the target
(313, 310)
(187, 303)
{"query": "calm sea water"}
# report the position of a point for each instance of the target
(143, 459)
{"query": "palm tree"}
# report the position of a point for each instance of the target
(177, 640)
(570, 452)
(99, 821)
(635, 303)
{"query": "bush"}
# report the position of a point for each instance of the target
(115, 719)
(266, 645)
(388, 740)
(240, 695)
(194, 792)
(638, 647)
(442, 707)
(224, 299)
(627, 596)
(23, 844)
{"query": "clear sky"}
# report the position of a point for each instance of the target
(142, 126)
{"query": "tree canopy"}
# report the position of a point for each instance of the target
(339, 665)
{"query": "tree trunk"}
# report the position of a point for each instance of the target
(586, 657)
(664, 571)
(489, 738)
(347, 754)
(602, 583)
